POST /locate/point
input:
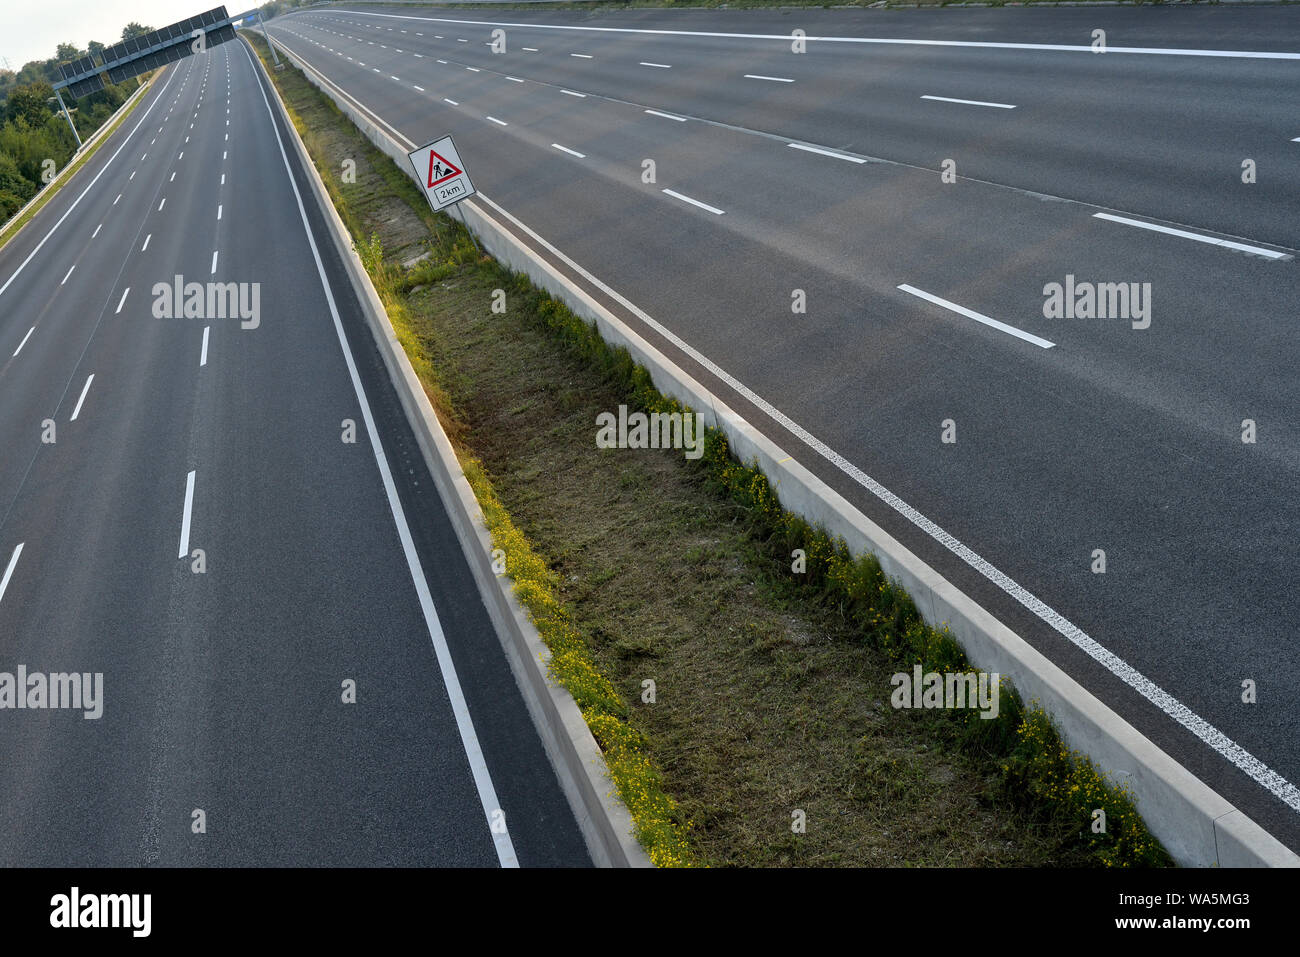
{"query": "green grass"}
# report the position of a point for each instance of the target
(772, 688)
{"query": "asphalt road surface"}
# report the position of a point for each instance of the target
(924, 177)
(324, 562)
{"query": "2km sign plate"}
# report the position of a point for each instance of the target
(441, 173)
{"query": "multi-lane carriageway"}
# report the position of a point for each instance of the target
(323, 562)
(822, 171)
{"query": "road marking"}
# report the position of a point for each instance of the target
(822, 152)
(565, 149)
(774, 79)
(186, 515)
(214, 261)
(514, 79)
(949, 99)
(24, 342)
(121, 302)
(182, 156)
(443, 62)
(420, 88)
(173, 177)
(119, 196)
(132, 176)
(499, 122)
(77, 411)
(9, 571)
(146, 242)
(978, 317)
(582, 56)
(218, 210)
(888, 41)
(97, 229)
(473, 69)
(1184, 234)
(571, 93)
(69, 273)
(161, 203)
(464, 723)
(452, 102)
(695, 202)
(391, 77)
(667, 116)
(203, 355)
(661, 66)
(529, 49)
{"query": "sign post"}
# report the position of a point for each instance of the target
(442, 176)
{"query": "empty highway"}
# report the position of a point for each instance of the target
(920, 182)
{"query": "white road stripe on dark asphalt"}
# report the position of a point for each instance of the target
(822, 152)
(203, 355)
(24, 342)
(978, 317)
(121, 302)
(695, 202)
(186, 515)
(565, 149)
(949, 99)
(1184, 234)
(77, 411)
(9, 570)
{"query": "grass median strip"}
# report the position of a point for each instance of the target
(736, 665)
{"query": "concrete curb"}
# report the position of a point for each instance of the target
(55, 185)
(604, 821)
(1197, 825)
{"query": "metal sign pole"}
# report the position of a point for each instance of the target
(262, 23)
(68, 116)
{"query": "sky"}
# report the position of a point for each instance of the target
(32, 29)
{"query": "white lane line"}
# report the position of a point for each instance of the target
(420, 56)
(464, 722)
(667, 116)
(514, 79)
(223, 153)
(181, 156)
(203, 355)
(218, 210)
(581, 56)
(24, 342)
(420, 88)
(774, 79)
(146, 242)
(822, 152)
(785, 37)
(185, 517)
(949, 99)
(77, 411)
(661, 66)
(132, 176)
(119, 196)
(572, 93)
(452, 102)
(162, 203)
(375, 68)
(173, 177)
(694, 202)
(443, 62)
(122, 302)
(391, 77)
(978, 317)
(97, 229)
(473, 69)
(9, 570)
(529, 49)
(69, 273)
(1184, 234)
(1296, 140)
(214, 261)
(498, 122)
(223, 179)
(565, 149)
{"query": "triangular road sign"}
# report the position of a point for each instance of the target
(440, 169)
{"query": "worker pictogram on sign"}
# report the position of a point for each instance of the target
(438, 167)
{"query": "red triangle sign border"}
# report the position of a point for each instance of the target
(450, 169)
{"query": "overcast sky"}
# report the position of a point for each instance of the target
(32, 29)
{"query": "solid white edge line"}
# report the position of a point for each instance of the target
(464, 723)
(1200, 238)
(949, 99)
(887, 41)
(978, 317)
(203, 353)
(24, 342)
(85, 389)
(9, 570)
(822, 152)
(89, 187)
(1211, 736)
(565, 149)
(186, 515)
(695, 202)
